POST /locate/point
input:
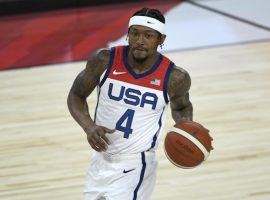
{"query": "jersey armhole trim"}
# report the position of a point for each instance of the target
(166, 82)
(107, 72)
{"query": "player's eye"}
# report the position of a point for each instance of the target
(149, 36)
(134, 33)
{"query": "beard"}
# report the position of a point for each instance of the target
(139, 59)
(139, 56)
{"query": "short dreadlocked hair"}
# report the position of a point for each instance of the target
(154, 13)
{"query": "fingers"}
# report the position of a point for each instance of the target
(94, 147)
(97, 139)
(97, 145)
(105, 139)
(100, 142)
(108, 130)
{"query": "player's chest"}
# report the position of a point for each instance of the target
(119, 92)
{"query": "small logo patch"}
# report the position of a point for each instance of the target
(155, 81)
(126, 171)
(118, 73)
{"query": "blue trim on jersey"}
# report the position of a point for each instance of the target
(156, 134)
(97, 105)
(166, 82)
(141, 176)
(129, 68)
(109, 67)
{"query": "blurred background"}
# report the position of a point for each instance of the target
(223, 44)
(41, 32)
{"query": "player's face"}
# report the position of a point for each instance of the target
(143, 42)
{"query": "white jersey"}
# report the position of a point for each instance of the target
(133, 104)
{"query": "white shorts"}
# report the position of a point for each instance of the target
(121, 177)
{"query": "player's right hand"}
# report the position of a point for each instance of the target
(96, 137)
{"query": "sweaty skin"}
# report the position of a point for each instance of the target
(143, 43)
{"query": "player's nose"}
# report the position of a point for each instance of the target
(140, 40)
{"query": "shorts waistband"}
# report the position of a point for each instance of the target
(148, 156)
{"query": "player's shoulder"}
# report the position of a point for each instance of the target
(101, 56)
(179, 74)
(98, 61)
(179, 78)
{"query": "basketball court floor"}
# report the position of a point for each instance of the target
(223, 44)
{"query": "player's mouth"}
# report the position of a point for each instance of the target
(140, 49)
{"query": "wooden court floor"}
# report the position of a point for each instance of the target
(44, 153)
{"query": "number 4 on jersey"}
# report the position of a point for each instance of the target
(124, 123)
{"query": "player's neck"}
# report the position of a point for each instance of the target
(141, 67)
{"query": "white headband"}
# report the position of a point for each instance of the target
(148, 22)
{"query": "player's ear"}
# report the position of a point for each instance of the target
(128, 31)
(161, 40)
(127, 34)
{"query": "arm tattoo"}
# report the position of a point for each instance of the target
(88, 79)
(179, 85)
(83, 86)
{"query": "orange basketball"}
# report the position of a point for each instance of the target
(187, 144)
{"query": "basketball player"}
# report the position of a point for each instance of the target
(135, 84)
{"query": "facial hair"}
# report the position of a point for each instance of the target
(139, 60)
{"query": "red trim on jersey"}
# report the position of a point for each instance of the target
(155, 80)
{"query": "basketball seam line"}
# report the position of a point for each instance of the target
(194, 140)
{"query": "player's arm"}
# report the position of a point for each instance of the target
(82, 87)
(178, 89)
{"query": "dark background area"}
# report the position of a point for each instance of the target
(9, 7)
